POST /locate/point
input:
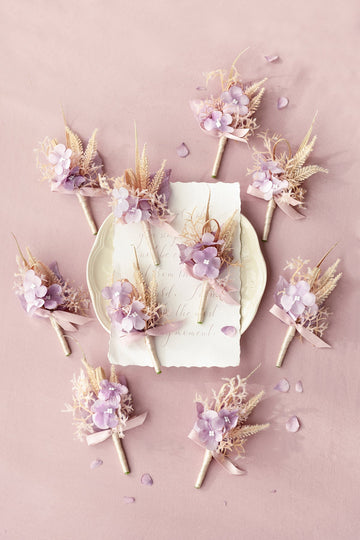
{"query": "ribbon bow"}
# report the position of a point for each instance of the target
(285, 202)
(101, 436)
(304, 332)
(65, 319)
(225, 462)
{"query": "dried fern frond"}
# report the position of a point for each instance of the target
(90, 153)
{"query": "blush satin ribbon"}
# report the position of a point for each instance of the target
(101, 436)
(304, 332)
(65, 319)
(222, 291)
(220, 458)
(160, 330)
(284, 202)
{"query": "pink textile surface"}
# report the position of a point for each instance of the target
(109, 63)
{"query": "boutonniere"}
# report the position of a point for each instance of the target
(230, 114)
(72, 168)
(43, 292)
(140, 196)
(299, 302)
(206, 254)
(221, 425)
(135, 312)
(278, 177)
(102, 408)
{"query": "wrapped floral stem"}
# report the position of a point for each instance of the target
(135, 312)
(278, 177)
(299, 302)
(207, 253)
(103, 408)
(72, 169)
(43, 292)
(221, 426)
(229, 114)
(142, 197)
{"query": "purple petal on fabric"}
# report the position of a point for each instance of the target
(96, 463)
(129, 500)
(273, 491)
(201, 88)
(299, 387)
(271, 58)
(182, 150)
(282, 386)
(293, 424)
(282, 103)
(146, 480)
(229, 331)
(199, 408)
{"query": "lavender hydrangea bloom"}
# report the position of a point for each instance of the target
(53, 297)
(267, 181)
(130, 208)
(297, 298)
(34, 291)
(219, 121)
(207, 263)
(122, 205)
(135, 319)
(60, 158)
(119, 293)
(230, 418)
(185, 253)
(112, 392)
(73, 180)
(104, 414)
(235, 101)
(210, 428)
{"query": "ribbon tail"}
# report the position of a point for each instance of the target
(228, 465)
(304, 332)
(161, 330)
(135, 422)
(98, 437)
(288, 209)
(222, 293)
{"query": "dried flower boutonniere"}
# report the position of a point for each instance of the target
(72, 169)
(278, 178)
(221, 426)
(229, 115)
(135, 313)
(140, 196)
(103, 408)
(207, 253)
(299, 302)
(43, 292)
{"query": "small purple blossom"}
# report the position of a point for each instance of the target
(60, 158)
(296, 299)
(210, 427)
(230, 418)
(34, 291)
(122, 205)
(104, 414)
(130, 208)
(207, 263)
(218, 121)
(119, 293)
(112, 392)
(74, 180)
(135, 318)
(235, 101)
(267, 180)
(53, 297)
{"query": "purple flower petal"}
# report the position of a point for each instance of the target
(299, 387)
(229, 331)
(282, 103)
(271, 58)
(293, 424)
(146, 480)
(201, 88)
(96, 463)
(282, 386)
(182, 150)
(129, 500)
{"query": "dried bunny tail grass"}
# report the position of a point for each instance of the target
(248, 407)
(147, 294)
(91, 373)
(227, 231)
(234, 440)
(113, 375)
(328, 287)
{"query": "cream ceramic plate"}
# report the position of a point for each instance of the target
(253, 271)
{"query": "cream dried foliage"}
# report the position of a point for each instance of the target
(147, 294)
(233, 396)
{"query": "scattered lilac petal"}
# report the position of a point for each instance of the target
(299, 386)
(282, 386)
(147, 480)
(182, 150)
(272, 58)
(96, 463)
(229, 331)
(201, 88)
(129, 500)
(282, 103)
(293, 424)
(225, 503)
(273, 491)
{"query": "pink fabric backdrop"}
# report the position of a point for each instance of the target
(110, 63)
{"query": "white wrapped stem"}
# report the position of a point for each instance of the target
(149, 340)
(289, 336)
(268, 217)
(85, 206)
(150, 242)
(60, 335)
(220, 151)
(204, 467)
(204, 294)
(120, 452)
